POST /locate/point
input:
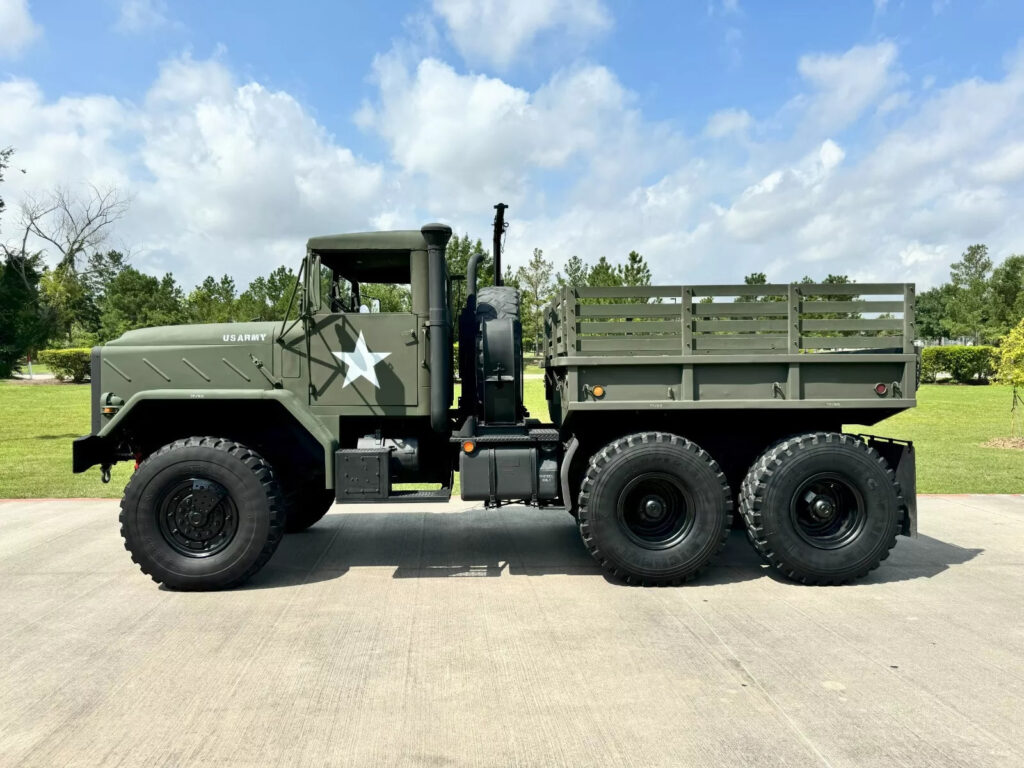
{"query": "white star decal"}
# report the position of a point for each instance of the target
(361, 363)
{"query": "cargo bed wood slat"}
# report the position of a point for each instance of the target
(802, 345)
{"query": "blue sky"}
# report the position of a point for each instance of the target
(877, 138)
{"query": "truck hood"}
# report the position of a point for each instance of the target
(211, 334)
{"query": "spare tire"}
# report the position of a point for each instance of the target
(499, 352)
(496, 302)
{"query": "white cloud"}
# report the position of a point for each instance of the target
(17, 29)
(229, 175)
(724, 7)
(223, 176)
(141, 16)
(846, 84)
(474, 135)
(728, 122)
(66, 141)
(496, 32)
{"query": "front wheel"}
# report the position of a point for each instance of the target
(307, 505)
(654, 508)
(822, 508)
(202, 513)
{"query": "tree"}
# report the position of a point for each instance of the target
(458, 253)
(535, 281)
(267, 298)
(100, 269)
(1011, 371)
(577, 273)
(212, 301)
(1007, 294)
(76, 317)
(760, 278)
(73, 225)
(69, 226)
(932, 314)
(5, 160)
(635, 271)
(969, 305)
(392, 298)
(136, 300)
(25, 322)
(511, 278)
(604, 274)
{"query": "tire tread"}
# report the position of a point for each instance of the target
(754, 487)
(601, 459)
(263, 472)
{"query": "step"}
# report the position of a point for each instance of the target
(413, 497)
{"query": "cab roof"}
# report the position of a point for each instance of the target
(369, 257)
(399, 240)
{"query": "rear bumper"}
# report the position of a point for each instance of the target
(87, 452)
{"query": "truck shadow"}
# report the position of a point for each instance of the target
(519, 541)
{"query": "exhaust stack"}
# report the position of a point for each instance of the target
(437, 236)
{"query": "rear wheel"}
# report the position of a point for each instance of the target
(822, 508)
(654, 508)
(202, 513)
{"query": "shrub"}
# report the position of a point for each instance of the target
(965, 365)
(930, 364)
(67, 363)
(1011, 357)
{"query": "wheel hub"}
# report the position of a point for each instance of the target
(820, 506)
(197, 517)
(652, 507)
(828, 511)
(655, 510)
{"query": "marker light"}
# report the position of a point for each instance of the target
(881, 389)
(598, 391)
(469, 446)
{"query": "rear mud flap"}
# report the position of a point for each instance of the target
(901, 457)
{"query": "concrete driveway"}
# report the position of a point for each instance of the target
(454, 636)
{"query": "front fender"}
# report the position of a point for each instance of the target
(96, 449)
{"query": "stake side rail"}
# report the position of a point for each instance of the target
(793, 342)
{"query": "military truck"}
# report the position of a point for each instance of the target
(673, 412)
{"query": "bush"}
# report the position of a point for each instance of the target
(965, 365)
(67, 363)
(1011, 361)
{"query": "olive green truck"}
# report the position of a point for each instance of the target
(674, 413)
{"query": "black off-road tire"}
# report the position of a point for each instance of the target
(306, 506)
(775, 505)
(242, 494)
(623, 478)
(496, 302)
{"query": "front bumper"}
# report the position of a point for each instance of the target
(89, 451)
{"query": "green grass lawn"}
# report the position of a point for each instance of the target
(37, 368)
(948, 427)
(36, 428)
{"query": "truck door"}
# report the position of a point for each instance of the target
(364, 360)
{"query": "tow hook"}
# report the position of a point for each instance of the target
(105, 473)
